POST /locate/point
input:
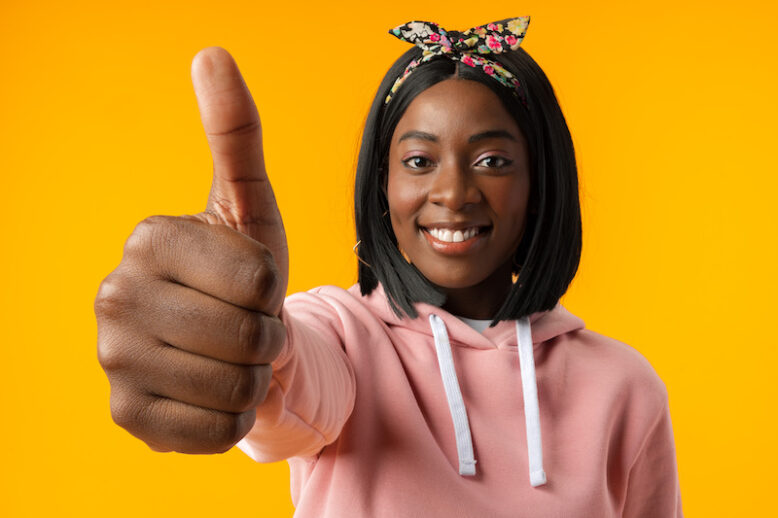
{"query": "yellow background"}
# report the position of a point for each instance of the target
(673, 112)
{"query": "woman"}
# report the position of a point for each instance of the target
(449, 381)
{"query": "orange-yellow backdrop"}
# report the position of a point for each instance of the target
(672, 108)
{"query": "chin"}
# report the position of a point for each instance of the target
(455, 282)
(468, 276)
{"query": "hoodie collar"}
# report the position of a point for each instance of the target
(545, 325)
(524, 334)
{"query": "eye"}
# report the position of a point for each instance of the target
(417, 162)
(495, 162)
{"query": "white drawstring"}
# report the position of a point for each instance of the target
(456, 405)
(454, 396)
(529, 386)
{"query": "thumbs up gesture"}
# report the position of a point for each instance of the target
(188, 322)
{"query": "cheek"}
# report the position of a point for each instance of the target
(510, 204)
(405, 196)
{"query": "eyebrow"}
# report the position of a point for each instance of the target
(473, 138)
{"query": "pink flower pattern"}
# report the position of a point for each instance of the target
(470, 47)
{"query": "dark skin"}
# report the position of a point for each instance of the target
(460, 165)
(188, 322)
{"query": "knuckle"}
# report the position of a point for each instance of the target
(226, 431)
(153, 446)
(244, 388)
(250, 337)
(114, 302)
(110, 355)
(113, 297)
(145, 234)
(278, 333)
(125, 411)
(265, 280)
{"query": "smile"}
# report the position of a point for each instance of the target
(454, 241)
(453, 236)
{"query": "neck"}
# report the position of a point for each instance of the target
(481, 301)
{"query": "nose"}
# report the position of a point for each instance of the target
(453, 187)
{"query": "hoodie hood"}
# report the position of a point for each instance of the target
(545, 325)
(524, 334)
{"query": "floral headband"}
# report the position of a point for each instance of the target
(470, 47)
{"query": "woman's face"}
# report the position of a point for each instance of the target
(458, 186)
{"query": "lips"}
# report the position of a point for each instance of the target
(453, 236)
(454, 239)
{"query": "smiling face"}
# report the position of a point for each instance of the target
(458, 189)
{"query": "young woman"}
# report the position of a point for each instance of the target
(449, 381)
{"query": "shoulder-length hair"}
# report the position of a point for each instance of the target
(550, 250)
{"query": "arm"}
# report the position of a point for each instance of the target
(653, 489)
(312, 392)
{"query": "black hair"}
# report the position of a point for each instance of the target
(550, 249)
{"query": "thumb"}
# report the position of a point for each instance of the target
(241, 195)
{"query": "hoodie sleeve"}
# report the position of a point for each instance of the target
(653, 488)
(313, 388)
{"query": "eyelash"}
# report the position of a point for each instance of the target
(505, 161)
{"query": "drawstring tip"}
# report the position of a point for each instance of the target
(467, 467)
(537, 478)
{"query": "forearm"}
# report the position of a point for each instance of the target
(310, 396)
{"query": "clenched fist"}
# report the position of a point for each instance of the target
(188, 322)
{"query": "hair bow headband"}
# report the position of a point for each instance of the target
(470, 47)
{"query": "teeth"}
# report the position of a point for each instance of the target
(456, 236)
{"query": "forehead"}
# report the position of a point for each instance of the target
(455, 106)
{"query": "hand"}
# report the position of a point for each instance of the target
(188, 322)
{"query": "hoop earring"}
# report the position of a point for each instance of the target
(356, 246)
(515, 275)
(356, 252)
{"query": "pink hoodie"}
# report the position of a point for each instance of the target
(382, 416)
